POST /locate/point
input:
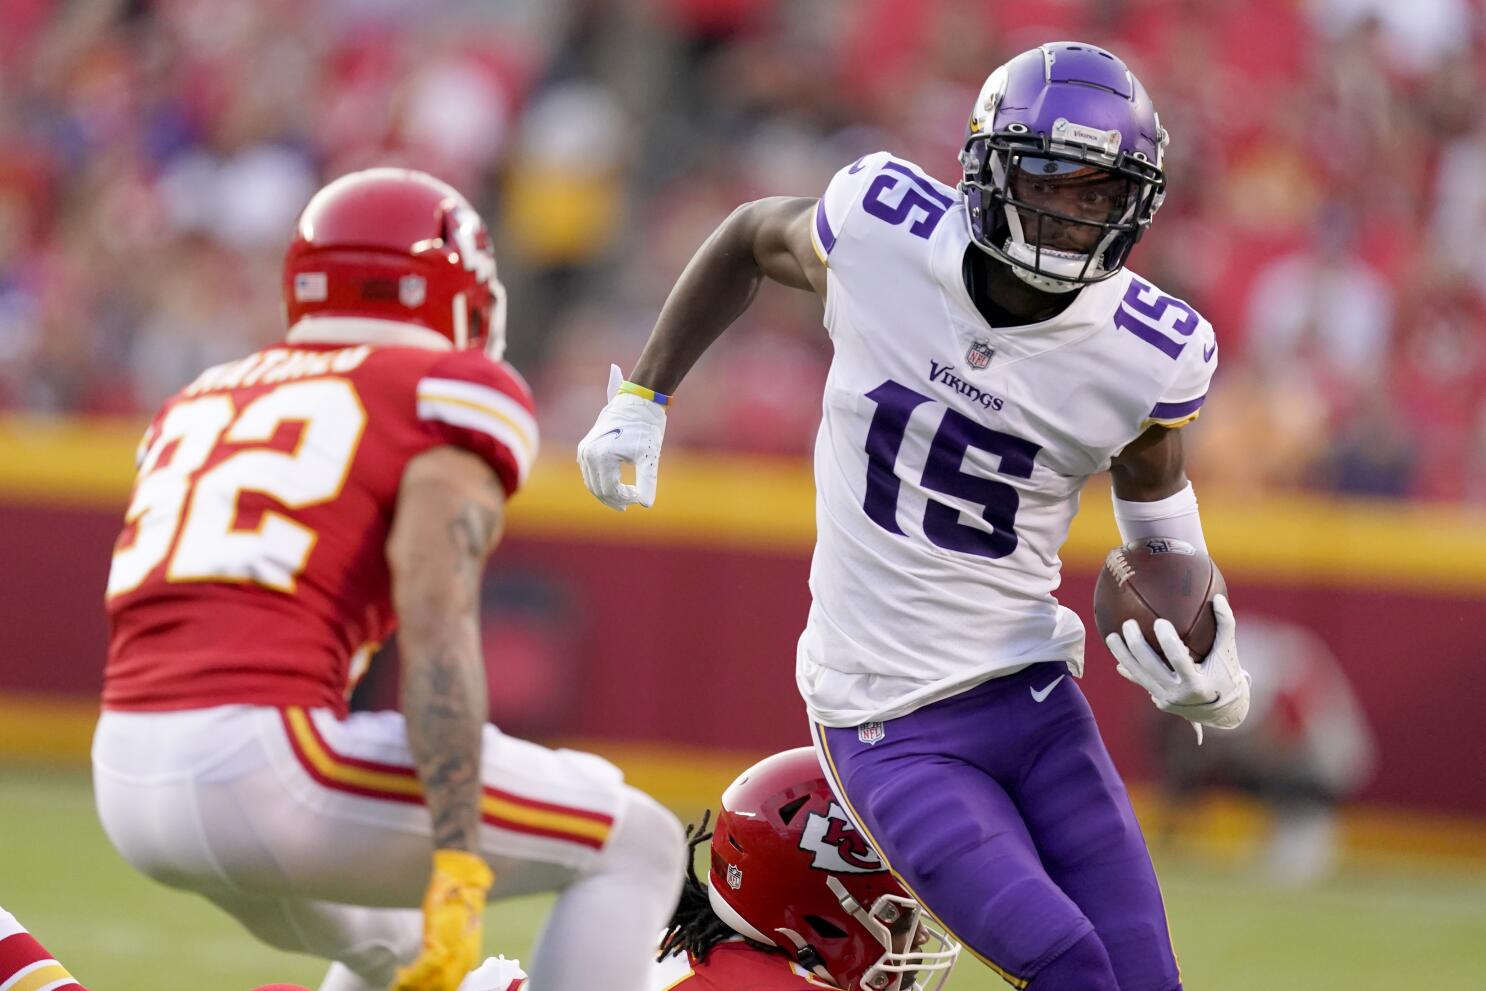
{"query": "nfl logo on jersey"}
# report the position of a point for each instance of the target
(735, 877)
(870, 733)
(979, 355)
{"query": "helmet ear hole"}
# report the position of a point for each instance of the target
(824, 928)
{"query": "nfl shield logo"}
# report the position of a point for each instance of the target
(735, 877)
(870, 733)
(412, 291)
(979, 355)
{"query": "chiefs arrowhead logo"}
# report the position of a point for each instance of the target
(837, 846)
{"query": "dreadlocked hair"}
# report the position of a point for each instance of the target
(694, 928)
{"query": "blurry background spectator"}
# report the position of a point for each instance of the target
(1326, 208)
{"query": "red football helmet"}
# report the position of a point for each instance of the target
(789, 869)
(396, 245)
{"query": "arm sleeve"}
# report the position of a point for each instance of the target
(469, 401)
(1182, 400)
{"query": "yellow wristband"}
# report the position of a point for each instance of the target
(659, 398)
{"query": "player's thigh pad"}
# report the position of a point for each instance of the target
(295, 800)
(957, 840)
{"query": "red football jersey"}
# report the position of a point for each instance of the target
(735, 965)
(252, 564)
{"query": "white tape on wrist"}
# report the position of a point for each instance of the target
(1175, 516)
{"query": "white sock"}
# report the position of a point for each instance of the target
(343, 978)
(604, 926)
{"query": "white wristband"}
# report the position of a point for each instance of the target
(1175, 516)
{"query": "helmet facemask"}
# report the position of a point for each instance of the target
(1061, 214)
(481, 320)
(789, 869)
(911, 943)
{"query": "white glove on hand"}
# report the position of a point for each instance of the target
(629, 429)
(1215, 692)
(495, 974)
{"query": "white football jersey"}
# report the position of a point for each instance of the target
(951, 453)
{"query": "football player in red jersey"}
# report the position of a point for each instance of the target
(292, 508)
(796, 898)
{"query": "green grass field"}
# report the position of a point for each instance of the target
(1382, 928)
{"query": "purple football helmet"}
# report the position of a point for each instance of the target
(1062, 166)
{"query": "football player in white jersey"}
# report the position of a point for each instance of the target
(992, 352)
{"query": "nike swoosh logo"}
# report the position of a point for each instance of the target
(1039, 696)
(1209, 351)
(616, 432)
(856, 166)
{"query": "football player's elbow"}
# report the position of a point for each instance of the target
(432, 594)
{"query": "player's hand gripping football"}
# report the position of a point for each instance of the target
(452, 908)
(1214, 692)
(629, 430)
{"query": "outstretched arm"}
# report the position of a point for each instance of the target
(448, 519)
(768, 238)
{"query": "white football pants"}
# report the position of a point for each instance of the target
(310, 831)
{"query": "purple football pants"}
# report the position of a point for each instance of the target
(1005, 816)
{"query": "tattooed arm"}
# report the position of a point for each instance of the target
(449, 515)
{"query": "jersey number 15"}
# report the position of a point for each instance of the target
(957, 433)
(192, 518)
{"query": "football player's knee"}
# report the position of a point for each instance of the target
(1084, 966)
(648, 840)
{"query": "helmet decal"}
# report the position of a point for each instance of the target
(472, 241)
(412, 290)
(836, 844)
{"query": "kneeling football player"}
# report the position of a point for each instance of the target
(795, 898)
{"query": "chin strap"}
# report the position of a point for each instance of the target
(1026, 254)
(806, 955)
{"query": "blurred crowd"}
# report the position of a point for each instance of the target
(1327, 206)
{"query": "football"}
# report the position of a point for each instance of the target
(1160, 578)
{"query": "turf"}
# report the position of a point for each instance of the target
(1389, 926)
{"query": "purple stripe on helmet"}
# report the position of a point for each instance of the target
(823, 227)
(1175, 411)
(922, 183)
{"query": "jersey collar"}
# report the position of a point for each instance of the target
(1079, 320)
(366, 330)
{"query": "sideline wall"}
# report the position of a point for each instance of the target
(678, 626)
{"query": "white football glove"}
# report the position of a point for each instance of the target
(629, 429)
(495, 974)
(1214, 692)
